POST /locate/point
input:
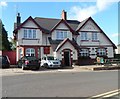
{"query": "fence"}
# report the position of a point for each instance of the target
(11, 55)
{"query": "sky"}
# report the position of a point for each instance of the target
(103, 12)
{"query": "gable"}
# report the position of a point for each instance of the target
(90, 26)
(29, 24)
(62, 26)
(66, 43)
(31, 20)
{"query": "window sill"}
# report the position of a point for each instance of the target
(29, 39)
(84, 40)
(95, 40)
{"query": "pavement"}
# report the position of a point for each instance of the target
(18, 71)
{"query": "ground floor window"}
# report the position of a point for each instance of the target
(84, 52)
(30, 52)
(101, 52)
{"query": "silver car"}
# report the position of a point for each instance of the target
(50, 62)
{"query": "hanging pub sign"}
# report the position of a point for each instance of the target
(46, 50)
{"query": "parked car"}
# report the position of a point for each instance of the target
(50, 62)
(29, 62)
(4, 61)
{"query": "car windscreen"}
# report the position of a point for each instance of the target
(50, 58)
(4, 58)
(1, 57)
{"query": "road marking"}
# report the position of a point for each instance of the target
(112, 94)
(107, 94)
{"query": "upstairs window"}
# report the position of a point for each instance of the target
(94, 36)
(60, 35)
(84, 36)
(34, 33)
(101, 52)
(29, 34)
(25, 33)
(84, 52)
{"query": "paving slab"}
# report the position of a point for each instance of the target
(19, 71)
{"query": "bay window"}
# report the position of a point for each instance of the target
(29, 34)
(101, 52)
(84, 52)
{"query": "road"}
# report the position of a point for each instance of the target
(69, 84)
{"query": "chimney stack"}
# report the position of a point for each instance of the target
(18, 19)
(64, 15)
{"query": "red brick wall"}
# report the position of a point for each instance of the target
(11, 55)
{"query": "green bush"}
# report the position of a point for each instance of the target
(117, 56)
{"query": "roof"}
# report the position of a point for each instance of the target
(63, 42)
(49, 24)
(81, 24)
(54, 43)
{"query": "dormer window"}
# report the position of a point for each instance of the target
(84, 36)
(60, 34)
(94, 36)
(29, 34)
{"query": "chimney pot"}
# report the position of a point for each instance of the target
(18, 19)
(64, 15)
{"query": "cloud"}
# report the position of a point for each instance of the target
(115, 35)
(3, 3)
(81, 13)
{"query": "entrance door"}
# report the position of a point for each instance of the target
(67, 58)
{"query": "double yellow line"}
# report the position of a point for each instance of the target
(105, 95)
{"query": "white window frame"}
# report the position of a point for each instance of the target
(101, 52)
(84, 36)
(60, 35)
(30, 52)
(29, 34)
(25, 33)
(84, 52)
(94, 36)
(34, 33)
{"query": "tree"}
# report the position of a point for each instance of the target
(4, 38)
(12, 43)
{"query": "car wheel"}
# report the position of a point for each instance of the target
(37, 68)
(19, 65)
(45, 65)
